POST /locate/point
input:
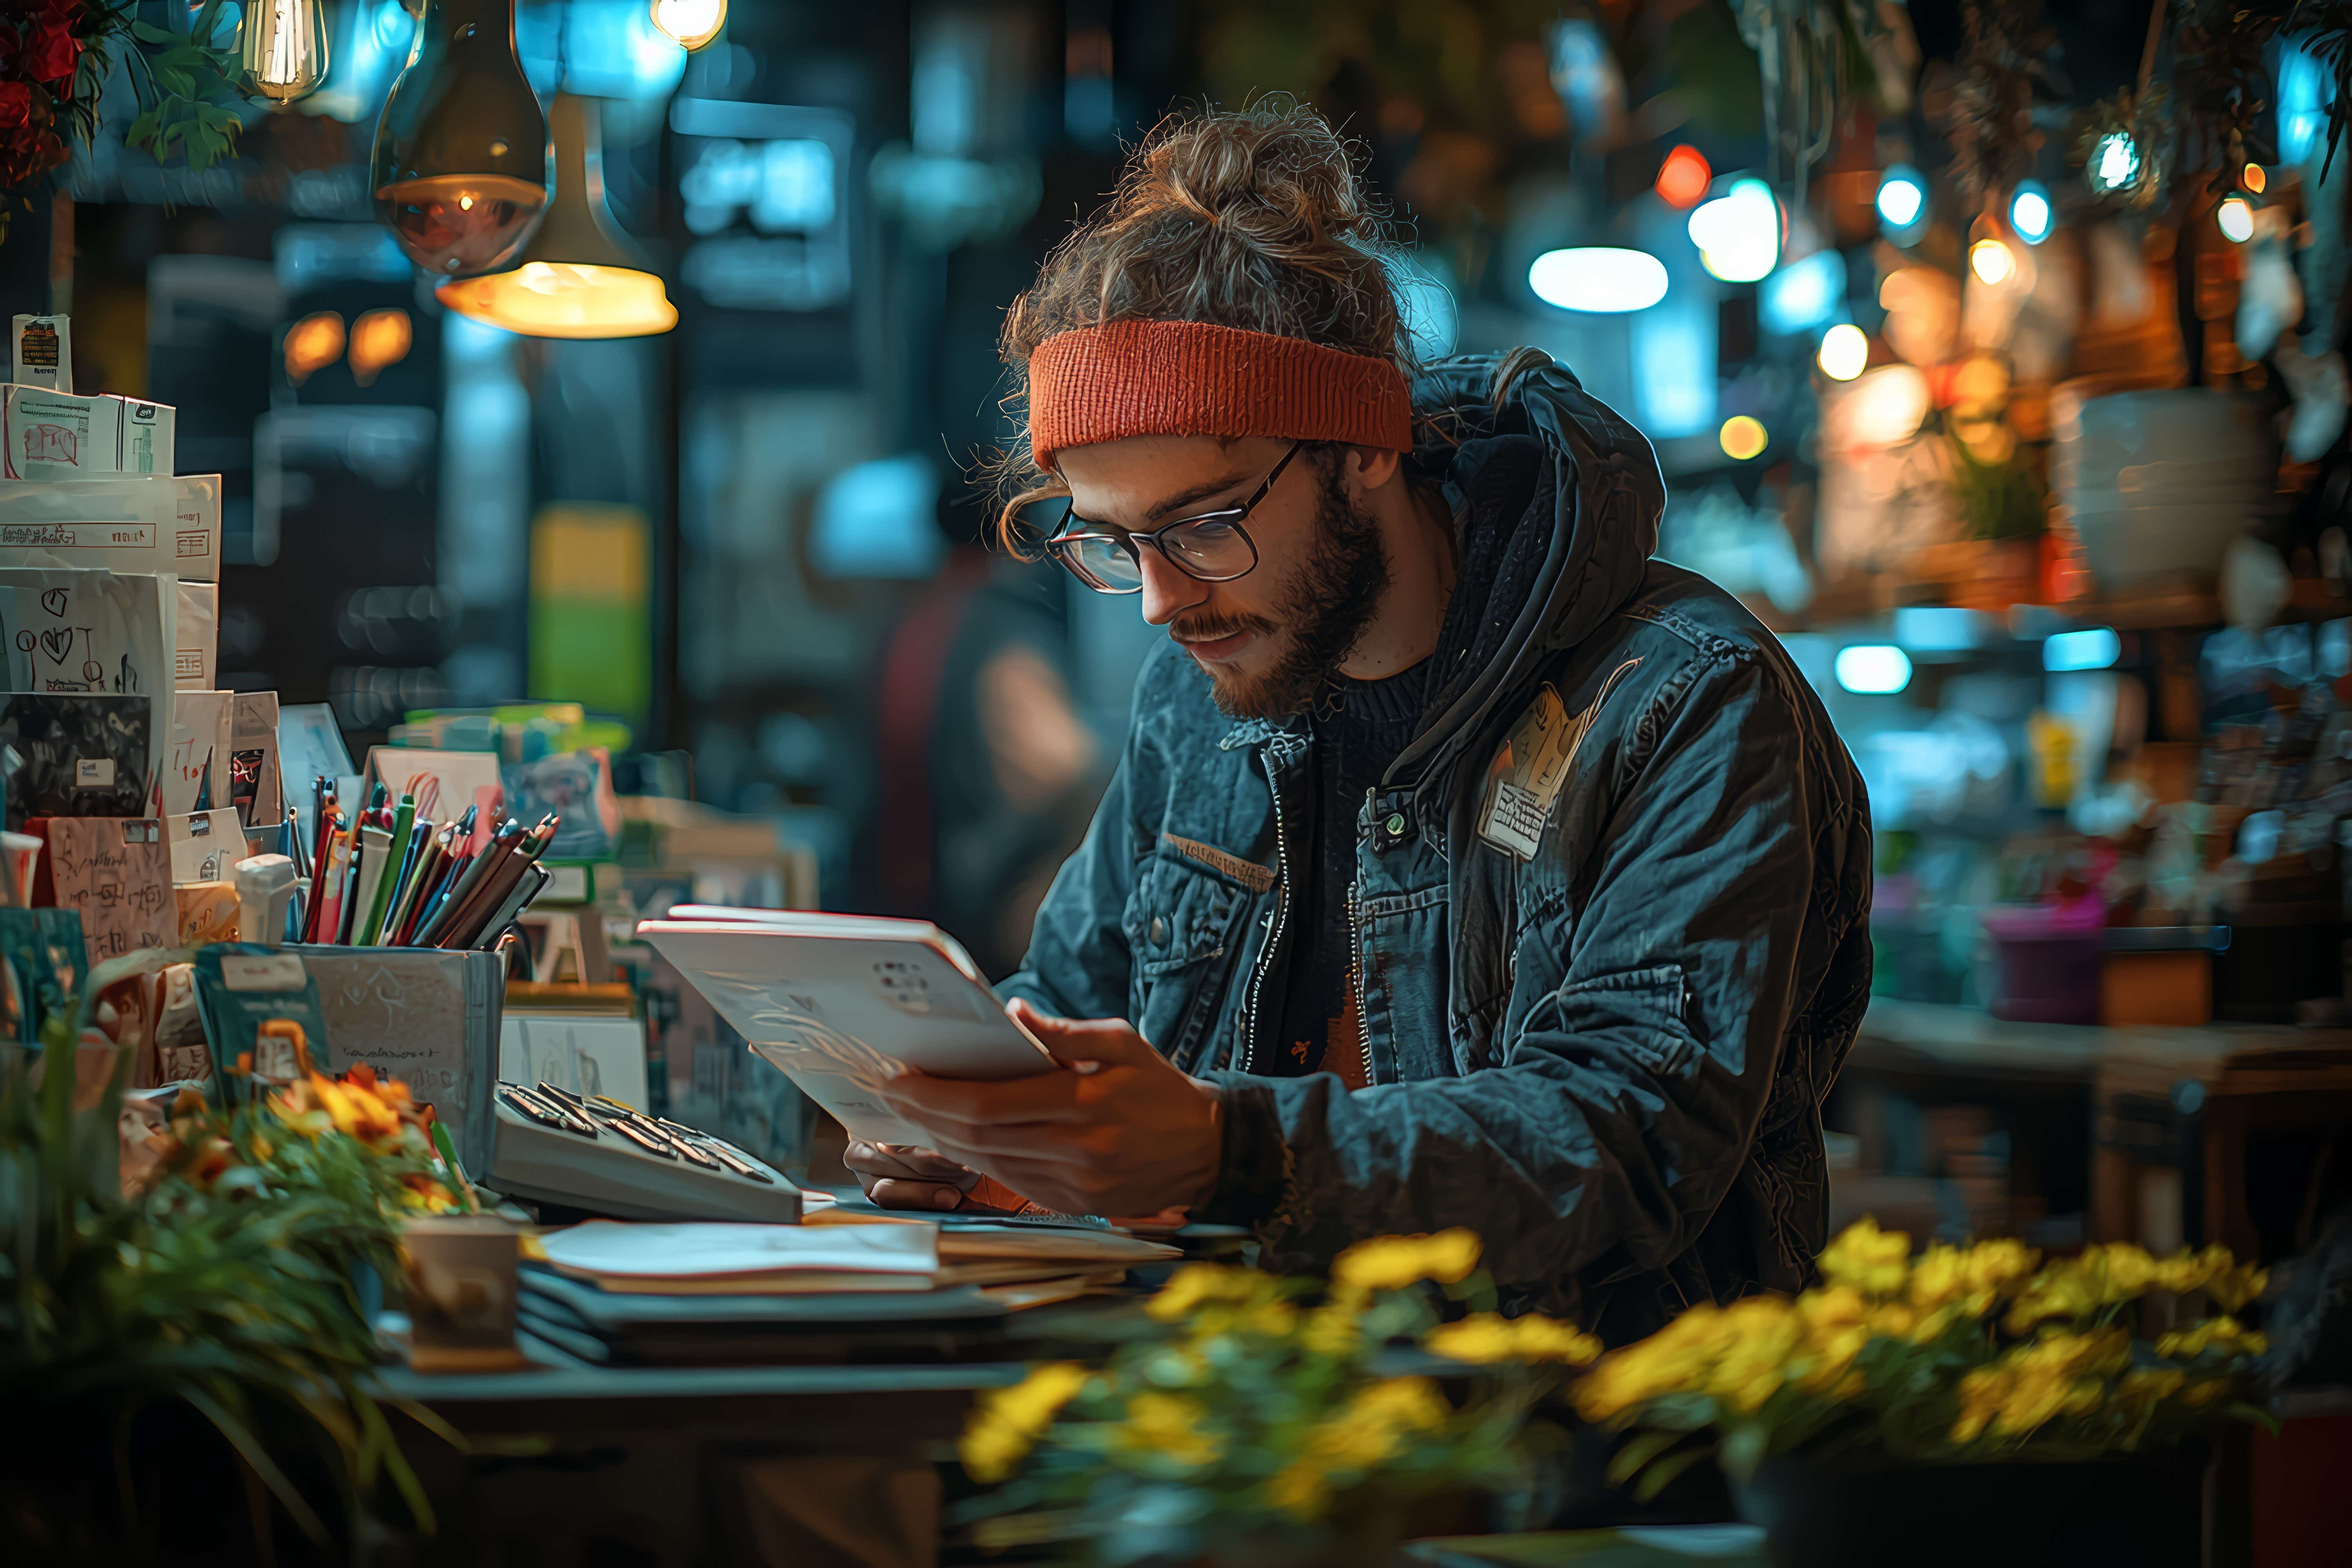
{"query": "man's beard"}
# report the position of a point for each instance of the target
(1324, 609)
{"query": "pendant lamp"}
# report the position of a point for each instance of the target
(580, 276)
(461, 166)
(282, 54)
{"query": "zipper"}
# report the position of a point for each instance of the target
(1266, 955)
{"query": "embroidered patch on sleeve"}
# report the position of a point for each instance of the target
(1524, 782)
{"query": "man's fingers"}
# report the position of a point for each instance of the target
(905, 1159)
(897, 1193)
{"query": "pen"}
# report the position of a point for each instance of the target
(505, 881)
(526, 887)
(387, 873)
(464, 890)
(424, 867)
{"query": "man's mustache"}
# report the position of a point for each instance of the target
(1209, 628)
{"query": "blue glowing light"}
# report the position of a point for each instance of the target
(1803, 294)
(1902, 200)
(1872, 669)
(2030, 215)
(2095, 647)
(1598, 278)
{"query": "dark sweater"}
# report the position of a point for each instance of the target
(1358, 730)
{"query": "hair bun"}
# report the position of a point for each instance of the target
(1276, 172)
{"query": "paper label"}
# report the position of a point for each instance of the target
(79, 535)
(1524, 782)
(94, 773)
(261, 971)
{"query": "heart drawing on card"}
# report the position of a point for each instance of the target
(54, 601)
(58, 644)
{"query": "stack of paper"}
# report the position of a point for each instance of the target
(839, 1251)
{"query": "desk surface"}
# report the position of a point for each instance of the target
(1932, 1037)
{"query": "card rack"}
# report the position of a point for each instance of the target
(599, 1156)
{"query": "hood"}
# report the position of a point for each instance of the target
(1556, 503)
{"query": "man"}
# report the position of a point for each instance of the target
(1463, 866)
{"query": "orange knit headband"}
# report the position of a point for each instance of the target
(1189, 378)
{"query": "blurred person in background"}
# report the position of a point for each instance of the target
(1463, 866)
(988, 772)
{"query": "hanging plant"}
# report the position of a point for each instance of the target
(2222, 83)
(55, 56)
(2122, 150)
(2002, 67)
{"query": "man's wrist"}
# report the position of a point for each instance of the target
(1207, 1187)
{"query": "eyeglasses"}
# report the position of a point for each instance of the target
(1209, 548)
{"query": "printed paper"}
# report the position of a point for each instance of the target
(116, 873)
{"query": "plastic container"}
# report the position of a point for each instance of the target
(2046, 961)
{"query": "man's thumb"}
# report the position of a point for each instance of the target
(1079, 1039)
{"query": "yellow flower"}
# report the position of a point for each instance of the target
(1967, 1281)
(1006, 1423)
(1873, 1261)
(2224, 1334)
(1485, 1337)
(1360, 1437)
(2061, 1374)
(1169, 1425)
(1333, 1330)
(1196, 1283)
(2077, 1288)
(1393, 1262)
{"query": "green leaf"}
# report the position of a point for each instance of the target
(1637, 1451)
(1744, 1449)
(1658, 1476)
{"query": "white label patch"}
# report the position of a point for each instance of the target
(93, 772)
(1525, 780)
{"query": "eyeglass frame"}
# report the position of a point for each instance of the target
(1232, 515)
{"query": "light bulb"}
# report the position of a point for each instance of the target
(460, 168)
(1742, 437)
(2256, 178)
(283, 53)
(693, 23)
(2236, 218)
(1902, 197)
(1739, 233)
(2030, 212)
(1991, 261)
(2115, 162)
(1845, 352)
(1598, 279)
(1684, 177)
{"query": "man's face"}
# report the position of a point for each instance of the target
(1269, 640)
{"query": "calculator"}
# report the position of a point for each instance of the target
(598, 1156)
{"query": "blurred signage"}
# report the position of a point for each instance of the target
(765, 193)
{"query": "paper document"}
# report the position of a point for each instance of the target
(607, 1249)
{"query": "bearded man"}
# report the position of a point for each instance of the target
(1464, 865)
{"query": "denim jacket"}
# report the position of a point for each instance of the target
(1611, 909)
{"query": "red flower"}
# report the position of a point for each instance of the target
(50, 55)
(16, 105)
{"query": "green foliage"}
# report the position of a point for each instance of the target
(230, 1286)
(190, 102)
(2003, 500)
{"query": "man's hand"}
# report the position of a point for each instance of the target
(1121, 1132)
(899, 1176)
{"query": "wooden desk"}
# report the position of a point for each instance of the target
(2174, 1111)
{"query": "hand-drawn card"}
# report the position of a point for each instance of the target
(253, 781)
(198, 654)
(122, 523)
(116, 873)
(444, 783)
(195, 773)
(576, 785)
(69, 629)
(83, 756)
(309, 746)
(206, 845)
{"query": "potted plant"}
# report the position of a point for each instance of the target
(1970, 1402)
(1268, 1420)
(207, 1325)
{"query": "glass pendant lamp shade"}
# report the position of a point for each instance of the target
(461, 166)
(282, 54)
(581, 276)
(693, 23)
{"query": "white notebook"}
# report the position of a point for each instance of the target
(840, 1002)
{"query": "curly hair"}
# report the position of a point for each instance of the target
(1255, 218)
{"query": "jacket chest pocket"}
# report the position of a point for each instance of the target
(1184, 922)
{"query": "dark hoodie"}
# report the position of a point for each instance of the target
(1608, 907)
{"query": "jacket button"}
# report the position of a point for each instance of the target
(1395, 825)
(1159, 933)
